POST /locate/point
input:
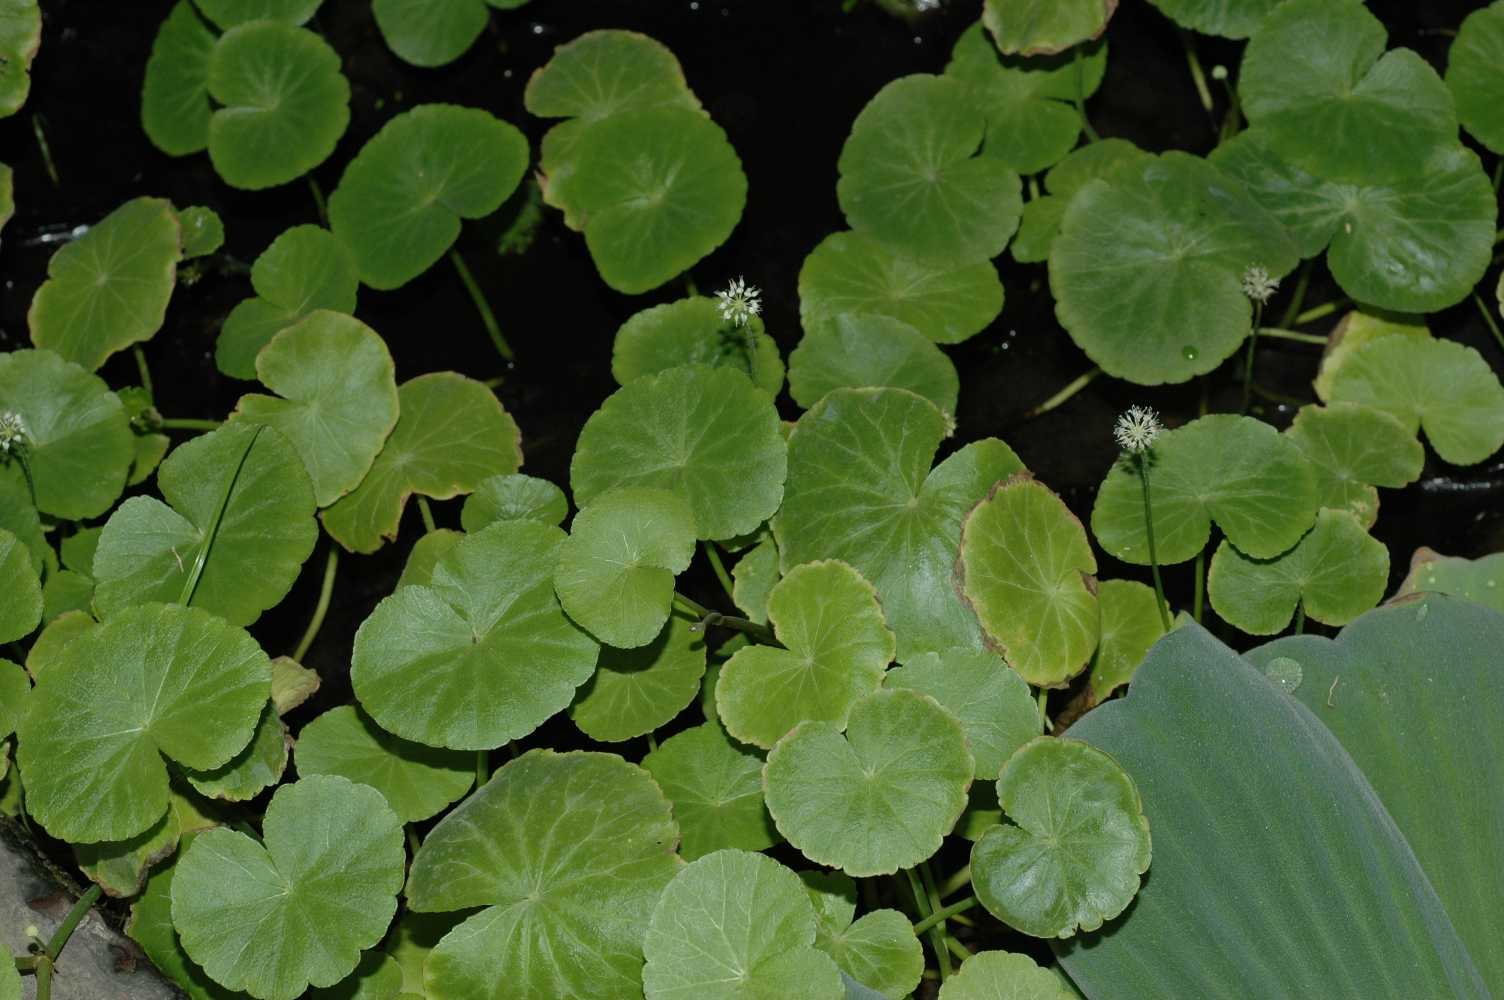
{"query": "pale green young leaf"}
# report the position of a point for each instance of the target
(602, 73)
(693, 331)
(513, 497)
(855, 351)
(837, 647)
(994, 704)
(1001, 975)
(203, 231)
(429, 32)
(1352, 449)
(1042, 27)
(250, 772)
(120, 867)
(635, 691)
(753, 578)
(834, 796)
(878, 950)
(1130, 626)
(715, 785)
(425, 555)
(1479, 580)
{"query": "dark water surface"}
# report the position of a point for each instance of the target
(785, 78)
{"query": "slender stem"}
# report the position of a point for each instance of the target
(196, 573)
(1298, 297)
(482, 767)
(1075, 386)
(36, 128)
(1253, 340)
(1159, 587)
(1317, 312)
(326, 589)
(1200, 594)
(652, 743)
(487, 317)
(24, 461)
(690, 288)
(144, 371)
(1300, 618)
(59, 940)
(762, 633)
(187, 424)
(713, 554)
(1042, 698)
(1091, 133)
(937, 936)
(693, 607)
(1489, 319)
(1197, 76)
(944, 913)
(426, 512)
(957, 949)
(1033, 187)
(412, 840)
(956, 881)
(1275, 333)
(318, 199)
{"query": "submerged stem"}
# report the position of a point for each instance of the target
(1488, 318)
(487, 317)
(1298, 297)
(1197, 76)
(1073, 387)
(1300, 617)
(1159, 587)
(936, 933)
(143, 370)
(482, 768)
(326, 589)
(1275, 333)
(1317, 312)
(426, 512)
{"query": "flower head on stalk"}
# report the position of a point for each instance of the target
(12, 433)
(1257, 284)
(1136, 430)
(739, 302)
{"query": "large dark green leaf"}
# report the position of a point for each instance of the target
(1277, 872)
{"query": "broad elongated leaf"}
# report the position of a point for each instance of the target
(1382, 687)
(180, 683)
(109, 288)
(1236, 471)
(736, 926)
(1147, 268)
(338, 402)
(861, 490)
(274, 919)
(451, 435)
(838, 645)
(835, 796)
(481, 655)
(399, 204)
(1266, 840)
(715, 786)
(567, 854)
(706, 434)
(148, 549)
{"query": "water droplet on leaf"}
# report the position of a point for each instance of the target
(1190, 353)
(1284, 672)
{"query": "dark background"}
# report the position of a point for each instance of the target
(785, 78)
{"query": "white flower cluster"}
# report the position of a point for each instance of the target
(12, 432)
(1257, 284)
(1136, 430)
(739, 302)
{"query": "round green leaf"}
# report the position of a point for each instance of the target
(411, 941)
(481, 655)
(1439, 386)
(416, 781)
(602, 73)
(837, 646)
(17, 514)
(1000, 975)
(616, 570)
(120, 867)
(1238, 471)
(425, 555)
(253, 770)
(1336, 572)
(693, 331)
(228, 13)
(634, 691)
(659, 189)
(376, 977)
(912, 178)
(753, 578)
(1040, 27)
(879, 798)
(879, 951)
(513, 497)
(203, 231)
(1475, 74)
(1416, 245)
(994, 704)
(1228, 18)
(856, 351)
(860, 489)
(1130, 626)
(399, 204)
(66, 591)
(429, 32)
(285, 103)
(20, 36)
(1352, 449)
(153, 681)
(151, 927)
(1147, 269)
(47, 648)
(272, 920)
(1352, 332)
(567, 853)
(305, 268)
(21, 609)
(706, 434)
(1031, 122)
(1026, 569)
(736, 926)
(339, 398)
(854, 273)
(1071, 857)
(148, 549)
(109, 288)
(1043, 215)
(451, 435)
(1478, 580)
(175, 94)
(78, 437)
(1315, 77)
(715, 786)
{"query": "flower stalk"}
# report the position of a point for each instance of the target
(1135, 432)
